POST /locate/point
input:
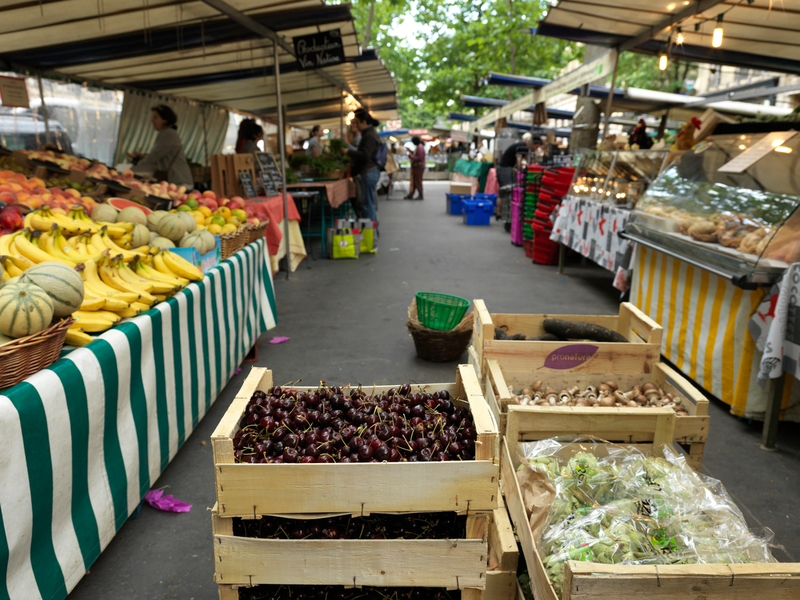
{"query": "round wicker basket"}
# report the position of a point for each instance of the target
(439, 346)
(28, 355)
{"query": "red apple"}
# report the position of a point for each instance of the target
(210, 194)
(10, 219)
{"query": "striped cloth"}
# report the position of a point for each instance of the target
(705, 320)
(83, 440)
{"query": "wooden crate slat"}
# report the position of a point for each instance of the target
(451, 564)
(773, 581)
(500, 585)
(502, 541)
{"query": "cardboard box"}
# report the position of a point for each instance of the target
(460, 188)
(205, 262)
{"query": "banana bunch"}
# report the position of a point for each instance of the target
(118, 282)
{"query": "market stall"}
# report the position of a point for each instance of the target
(472, 172)
(86, 438)
(273, 209)
(711, 242)
(605, 187)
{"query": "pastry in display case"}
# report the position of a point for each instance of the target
(616, 177)
(743, 226)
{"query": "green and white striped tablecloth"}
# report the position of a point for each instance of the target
(82, 441)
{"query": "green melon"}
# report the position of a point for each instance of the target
(10, 281)
(62, 283)
(132, 215)
(105, 213)
(172, 227)
(162, 243)
(25, 309)
(140, 236)
(154, 217)
(188, 220)
(210, 240)
(4, 339)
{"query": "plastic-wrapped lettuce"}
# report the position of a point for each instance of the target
(618, 506)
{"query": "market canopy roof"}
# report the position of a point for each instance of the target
(193, 49)
(762, 34)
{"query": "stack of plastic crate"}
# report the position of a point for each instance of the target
(555, 185)
(533, 182)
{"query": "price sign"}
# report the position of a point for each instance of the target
(13, 92)
(271, 172)
(248, 187)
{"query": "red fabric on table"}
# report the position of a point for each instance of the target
(274, 206)
(337, 192)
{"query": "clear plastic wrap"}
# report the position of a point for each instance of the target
(617, 505)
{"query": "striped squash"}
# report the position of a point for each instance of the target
(62, 283)
(25, 309)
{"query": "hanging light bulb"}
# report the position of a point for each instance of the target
(679, 39)
(716, 41)
(662, 62)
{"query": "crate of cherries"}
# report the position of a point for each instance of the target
(292, 449)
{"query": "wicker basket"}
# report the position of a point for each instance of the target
(28, 355)
(439, 346)
(231, 243)
(254, 232)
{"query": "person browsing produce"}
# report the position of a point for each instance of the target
(166, 160)
(314, 148)
(363, 160)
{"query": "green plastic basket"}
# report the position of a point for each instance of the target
(440, 311)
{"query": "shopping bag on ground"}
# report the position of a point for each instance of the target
(367, 228)
(343, 243)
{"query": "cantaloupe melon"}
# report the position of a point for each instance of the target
(132, 215)
(140, 236)
(105, 213)
(25, 309)
(161, 242)
(62, 283)
(188, 220)
(4, 339)
(193, 240)
(210, 240)
(154, 217)
(9, 282)
(172, 227)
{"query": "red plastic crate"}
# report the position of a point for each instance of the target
(545, 252)
(529, 250)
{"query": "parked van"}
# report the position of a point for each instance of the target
(22, 129)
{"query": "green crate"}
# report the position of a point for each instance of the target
(440, 311)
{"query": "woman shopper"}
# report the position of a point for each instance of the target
(166, 160)
(250, 133)
(417, 168)
(314, 148)
(363, 161)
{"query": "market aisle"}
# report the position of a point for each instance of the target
(346, 321)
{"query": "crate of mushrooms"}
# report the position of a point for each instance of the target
(662, 387)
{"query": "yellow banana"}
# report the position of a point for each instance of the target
(146, 270)
(4, 276)
(21, 262)
(92, 302)
(90, 323)
(44, 218)
(182, 267)
(35, 254)
(130, 312)
(127, 255)
(111, 278)
(27, 220)
(9, 267)
(6, 241)
(91, 279)
(131, 277)
(76, 337)
(116, 229)
(138, 306)
(99, 314)
(64, 250)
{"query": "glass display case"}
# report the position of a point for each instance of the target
(619, 178)
(742, 226)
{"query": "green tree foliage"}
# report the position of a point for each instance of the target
(641, 71)
(458, 43)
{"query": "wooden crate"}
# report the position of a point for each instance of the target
(691, 432)
(225, 169)
(638, 356)
(452, 564)
(231, 592)
(585, 581)
(252, 490)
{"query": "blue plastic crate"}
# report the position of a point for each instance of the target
(478, 212)
(486, 197)
(455, 203)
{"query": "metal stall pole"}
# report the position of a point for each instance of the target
(610, 99)
(341, 116)
(282, 142)
(44, 111)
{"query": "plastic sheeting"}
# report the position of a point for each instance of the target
(202, 127)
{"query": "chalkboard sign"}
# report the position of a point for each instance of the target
(248, 187)
(270, 173)
(319, 49)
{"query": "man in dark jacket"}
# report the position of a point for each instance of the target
(363, 161)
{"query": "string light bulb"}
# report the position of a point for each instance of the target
(662, 62)
(716, 40)
(679, 39)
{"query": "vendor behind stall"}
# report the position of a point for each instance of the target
(166, 161)
(512, 157)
